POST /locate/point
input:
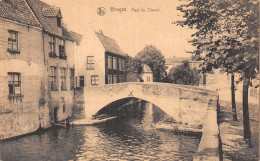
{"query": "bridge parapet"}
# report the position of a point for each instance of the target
(156, 89)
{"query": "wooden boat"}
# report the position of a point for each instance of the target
(90, 121)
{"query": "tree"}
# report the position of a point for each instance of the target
(183, 74)
(133, 68)
(153, 57)
(233, 97)
(133, 65)
(226, 37)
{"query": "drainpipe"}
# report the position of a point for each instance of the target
(43, 48)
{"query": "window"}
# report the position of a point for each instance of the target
(123, 78)
(72, 74)
(120, 79)
(109, 79)
(64, 108)
(114, 63)
(109, 62)
(53, 79)
(120, 64)
(13, 41)
(14, 83)
(123, 65)
(90, 63)
(58, 21)
(52, 45)
(81, 81)
(94, 80)
(115, 79)
(148, 78)
(63, 78)
(62, 53)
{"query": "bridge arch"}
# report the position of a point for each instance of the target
(162, 107)
(185, 104)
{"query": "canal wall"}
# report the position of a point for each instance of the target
(210, 145)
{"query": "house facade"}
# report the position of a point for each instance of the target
(147, 74)
(35, 68)
(58, 51)
(21, 73)
(99, 60)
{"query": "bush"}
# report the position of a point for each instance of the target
(183, 74)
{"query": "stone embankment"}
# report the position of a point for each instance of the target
(210, 145)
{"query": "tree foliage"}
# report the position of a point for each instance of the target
(133, 65)
(183, 74)
(153, 57)
(227, 33)
(226, 37)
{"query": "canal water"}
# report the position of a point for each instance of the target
(131, 136)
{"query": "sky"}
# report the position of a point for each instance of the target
(132, 29)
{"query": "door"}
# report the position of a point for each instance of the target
(55, 114)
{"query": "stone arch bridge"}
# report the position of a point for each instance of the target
(186, 104)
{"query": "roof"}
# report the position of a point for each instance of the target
(77, 37)
(176, 60)
(109, 44)
(44, 12)
(18, 10)
(50, 11)
(146, 69)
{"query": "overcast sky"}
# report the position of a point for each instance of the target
(131, 30)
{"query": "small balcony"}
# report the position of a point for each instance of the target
(13, 51)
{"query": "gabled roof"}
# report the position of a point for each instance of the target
(76, 37)
(109, 44)
(44, 12)
(18, 10)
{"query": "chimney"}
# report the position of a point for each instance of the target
(100, 31)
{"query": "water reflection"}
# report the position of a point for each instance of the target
(132, 136)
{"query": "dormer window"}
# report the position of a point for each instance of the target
(58, 21)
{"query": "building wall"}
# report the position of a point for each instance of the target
(112, 71)
(147, 77)
(90, 46)
(21, 114)
(60, 100)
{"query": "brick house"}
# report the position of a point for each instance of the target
(21, 73)
(59, 59)
(36, 67)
